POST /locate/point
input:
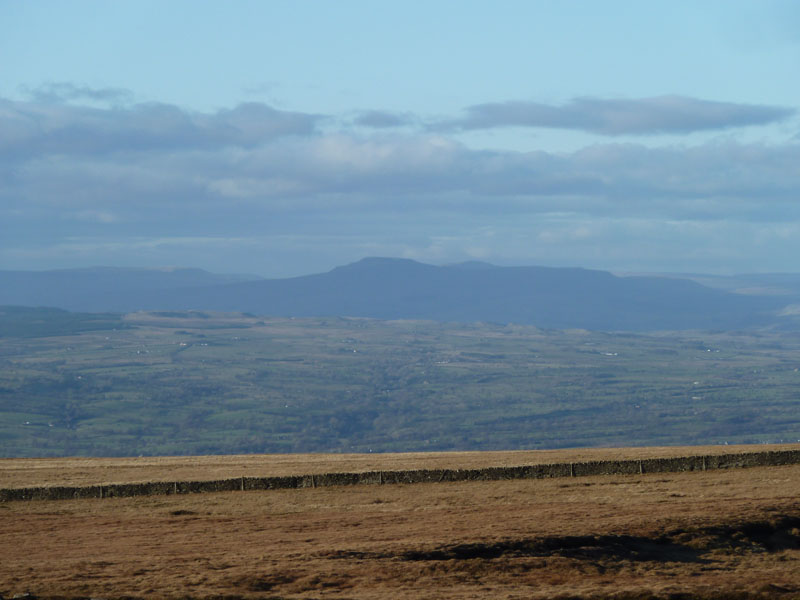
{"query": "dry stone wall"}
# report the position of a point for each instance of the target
(575, 469)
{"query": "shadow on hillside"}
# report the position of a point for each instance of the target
(604, 547)
(676, 546)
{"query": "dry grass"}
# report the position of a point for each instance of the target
(30, 472)
(718, 534)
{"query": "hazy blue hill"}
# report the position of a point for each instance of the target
(392, 288)
(785, 285)
(102, 289)
(547, 297)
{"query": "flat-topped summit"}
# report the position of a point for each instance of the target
(402, 288)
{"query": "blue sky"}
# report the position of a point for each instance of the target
(284, 138)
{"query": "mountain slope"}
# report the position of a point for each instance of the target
(389, 288)
(103, 289)
(547, 297)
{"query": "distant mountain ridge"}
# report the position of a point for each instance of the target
(393, 288)
(103, 289)
(759, 284)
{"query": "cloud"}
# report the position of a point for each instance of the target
(60, 92)
(646, 116)
(278, 181)
(379, 174)
(96, 215)
(29, 129)
(379, 119)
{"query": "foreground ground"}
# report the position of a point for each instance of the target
(718, 534)
(31, 472)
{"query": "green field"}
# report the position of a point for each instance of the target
(204, 383)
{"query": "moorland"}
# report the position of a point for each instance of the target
(702, 535)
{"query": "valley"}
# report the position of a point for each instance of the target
(198, 382)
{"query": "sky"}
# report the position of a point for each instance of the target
(286, 138)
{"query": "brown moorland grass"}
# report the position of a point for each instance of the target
(715, 534)
(32, 472)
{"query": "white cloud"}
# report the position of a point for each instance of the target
(147, 174)
(379, 119)
(64, 92)
(31, 129)
(97, 216)
(644, 116)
